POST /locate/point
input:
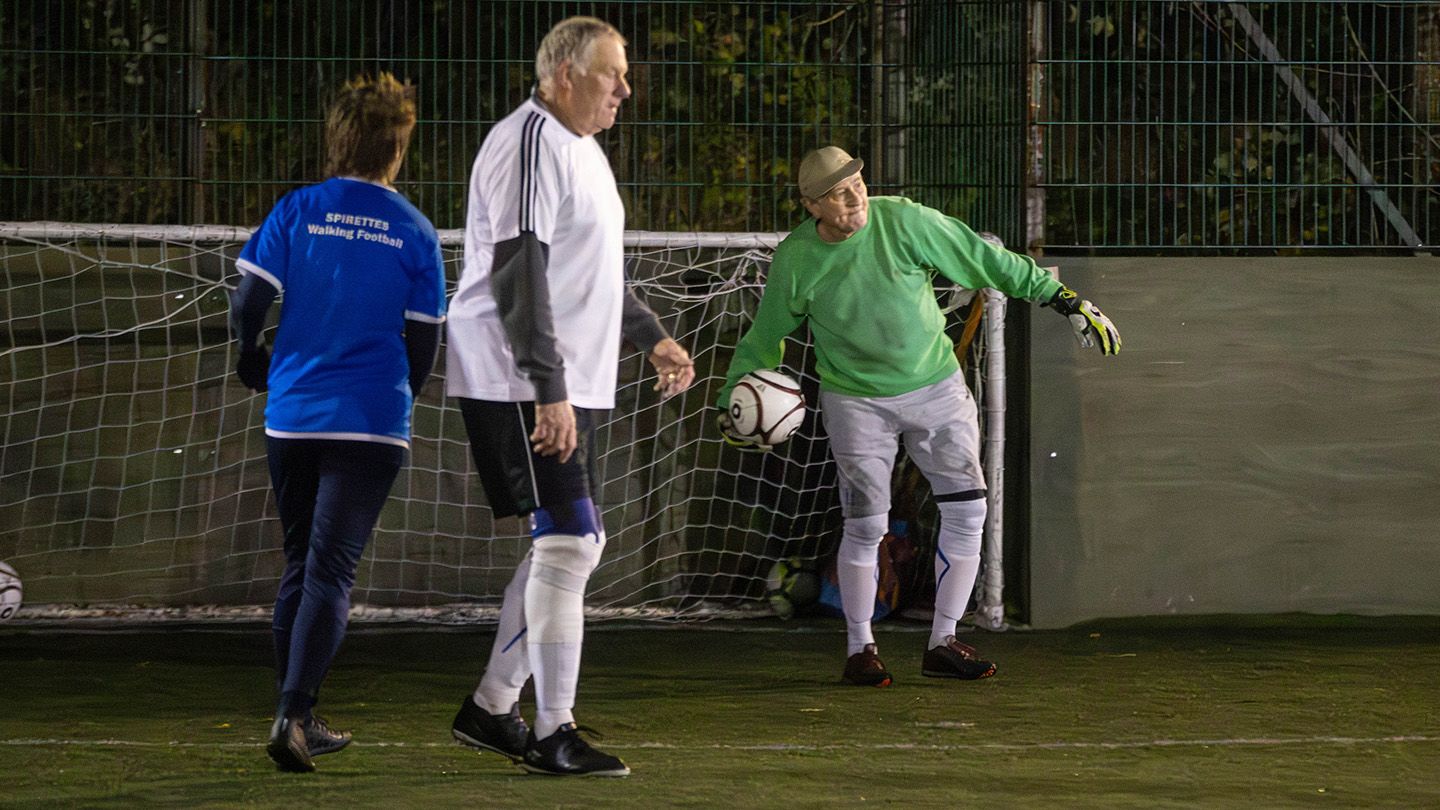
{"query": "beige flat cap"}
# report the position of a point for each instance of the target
(824, 168)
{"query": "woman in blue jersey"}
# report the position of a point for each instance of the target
(364, 298)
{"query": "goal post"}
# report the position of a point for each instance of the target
(134, 485)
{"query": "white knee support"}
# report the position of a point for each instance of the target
(860, 542)
(560, 566)
(961, 525)
(565, 560)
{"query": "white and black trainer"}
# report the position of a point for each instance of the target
(565, 754)
(505, 734)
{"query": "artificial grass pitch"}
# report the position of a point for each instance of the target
(1218, 712)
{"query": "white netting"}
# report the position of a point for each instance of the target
(133, 479)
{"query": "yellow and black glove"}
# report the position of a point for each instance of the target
(1091, 326)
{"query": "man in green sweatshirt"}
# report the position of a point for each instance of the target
(860, 272)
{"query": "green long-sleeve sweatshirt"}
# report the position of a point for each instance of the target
(870, 300)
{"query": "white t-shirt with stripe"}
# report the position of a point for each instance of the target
(534, 176)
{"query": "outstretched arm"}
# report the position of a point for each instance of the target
(970, 260)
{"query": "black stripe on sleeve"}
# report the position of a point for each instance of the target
(529, 168)
(535, 169)
(525, 172)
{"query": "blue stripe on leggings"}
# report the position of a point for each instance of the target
(517, 637)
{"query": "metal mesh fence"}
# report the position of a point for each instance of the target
(1157, 124)
(190, 111)
(1279, 125)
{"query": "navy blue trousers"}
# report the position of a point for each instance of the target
(329, 494)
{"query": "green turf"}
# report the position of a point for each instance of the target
(1225, 712)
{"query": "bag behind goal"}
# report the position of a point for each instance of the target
(134, 485)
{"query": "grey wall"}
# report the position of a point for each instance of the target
(1268, 440)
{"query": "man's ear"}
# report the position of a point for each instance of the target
(809, 205)
(562, 75)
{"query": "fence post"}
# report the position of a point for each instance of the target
(195, 152)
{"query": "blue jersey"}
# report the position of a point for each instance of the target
(353, 260)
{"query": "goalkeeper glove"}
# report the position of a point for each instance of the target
(253, 368)
(745, 443)
(1091, 326)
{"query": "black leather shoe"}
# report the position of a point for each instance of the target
(865, 668)
(287, 745)
(955, 660)
(565, 754)
(502, 733)
(321, 739)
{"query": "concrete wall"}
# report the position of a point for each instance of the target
(1268, 440)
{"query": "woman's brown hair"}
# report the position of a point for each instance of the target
(369, 122)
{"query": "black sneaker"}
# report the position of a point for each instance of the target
(321, 739)
(866, 669)
(287, 745)
(502, 733)
(955, 660)
(565, 754)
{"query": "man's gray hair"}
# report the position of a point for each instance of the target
(571, 39)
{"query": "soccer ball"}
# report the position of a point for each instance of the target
(10, 591)
(766, 406)
(792, 585)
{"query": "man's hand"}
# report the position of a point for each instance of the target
(673, 365)
(253, 368)
(1091, 326)
(554, 433)
(746, 443)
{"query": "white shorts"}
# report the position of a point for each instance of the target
(941, 431)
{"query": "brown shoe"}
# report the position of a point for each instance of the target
(955, 660)
(866, 669)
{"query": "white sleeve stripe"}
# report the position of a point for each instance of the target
(412, 315)
(247, 266)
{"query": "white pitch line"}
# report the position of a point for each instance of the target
(997, 746)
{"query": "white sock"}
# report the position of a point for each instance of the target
(952, 594)
(509, 665)
(857, 571)
(557, 676)
(957, 561)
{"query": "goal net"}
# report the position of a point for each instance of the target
(133, 477)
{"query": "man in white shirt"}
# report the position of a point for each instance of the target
(534, 342)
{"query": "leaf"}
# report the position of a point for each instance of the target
(663, 38)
